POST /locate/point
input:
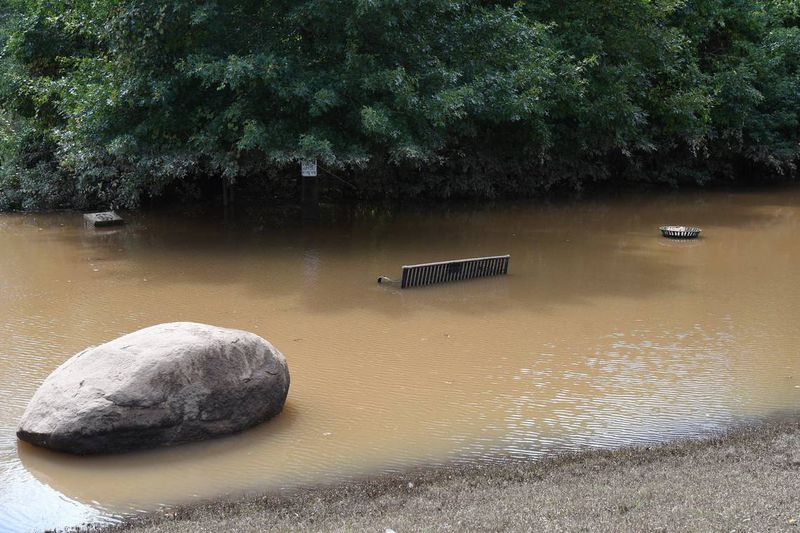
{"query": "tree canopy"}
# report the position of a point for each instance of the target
(110, 101)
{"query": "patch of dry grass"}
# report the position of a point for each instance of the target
(747, 480)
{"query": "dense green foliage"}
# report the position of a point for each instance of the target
(109, 101)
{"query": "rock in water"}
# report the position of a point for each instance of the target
(158, 386)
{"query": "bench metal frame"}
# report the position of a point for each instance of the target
(461, 269)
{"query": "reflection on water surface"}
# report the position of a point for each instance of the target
(603, 334)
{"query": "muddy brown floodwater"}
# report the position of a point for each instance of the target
(603, 334)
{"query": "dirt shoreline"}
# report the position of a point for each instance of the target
(747, 479)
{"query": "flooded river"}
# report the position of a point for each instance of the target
(603, 334)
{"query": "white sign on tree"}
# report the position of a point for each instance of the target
(308, 168)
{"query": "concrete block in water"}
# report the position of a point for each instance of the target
(104, 219)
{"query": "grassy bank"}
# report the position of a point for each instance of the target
(744, 480)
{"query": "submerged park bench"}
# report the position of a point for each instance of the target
(456, 270)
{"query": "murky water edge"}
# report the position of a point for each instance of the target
(603, 334)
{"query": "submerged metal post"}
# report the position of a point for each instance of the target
(309, 183)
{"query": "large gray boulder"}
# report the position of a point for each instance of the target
(158, 386)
